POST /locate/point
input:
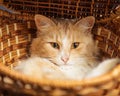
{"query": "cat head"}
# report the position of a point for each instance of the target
(63, 41)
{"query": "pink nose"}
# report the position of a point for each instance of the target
(65, 59)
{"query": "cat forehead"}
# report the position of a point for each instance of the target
(67, 29)
(64, 30)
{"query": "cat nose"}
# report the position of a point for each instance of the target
(65, 59)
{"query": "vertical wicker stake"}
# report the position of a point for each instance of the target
(2, 46)
(16, 39)
(10, 54)
(29, 26)
(15, 26)
(76, 11)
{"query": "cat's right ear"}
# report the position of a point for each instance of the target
(87, 23)
(43, 22)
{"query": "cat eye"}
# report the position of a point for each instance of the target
(54, 45)
(75, 45)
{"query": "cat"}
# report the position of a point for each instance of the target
(64, 49)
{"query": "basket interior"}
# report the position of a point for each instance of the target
(63, 8)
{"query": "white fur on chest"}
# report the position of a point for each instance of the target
(43, 68)
(77, 71)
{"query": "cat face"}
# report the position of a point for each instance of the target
(63, 42)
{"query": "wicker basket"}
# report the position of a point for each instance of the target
(17, 30)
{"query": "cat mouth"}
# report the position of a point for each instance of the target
(57, 63)
(53, 62)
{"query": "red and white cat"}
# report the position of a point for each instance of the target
(64, 49)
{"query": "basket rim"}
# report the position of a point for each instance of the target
(112, 75)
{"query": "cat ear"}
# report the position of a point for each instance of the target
(43, 22)
(86, 23)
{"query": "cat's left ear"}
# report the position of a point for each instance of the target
(87, 23)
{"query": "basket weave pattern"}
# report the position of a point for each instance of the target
(64, 8)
